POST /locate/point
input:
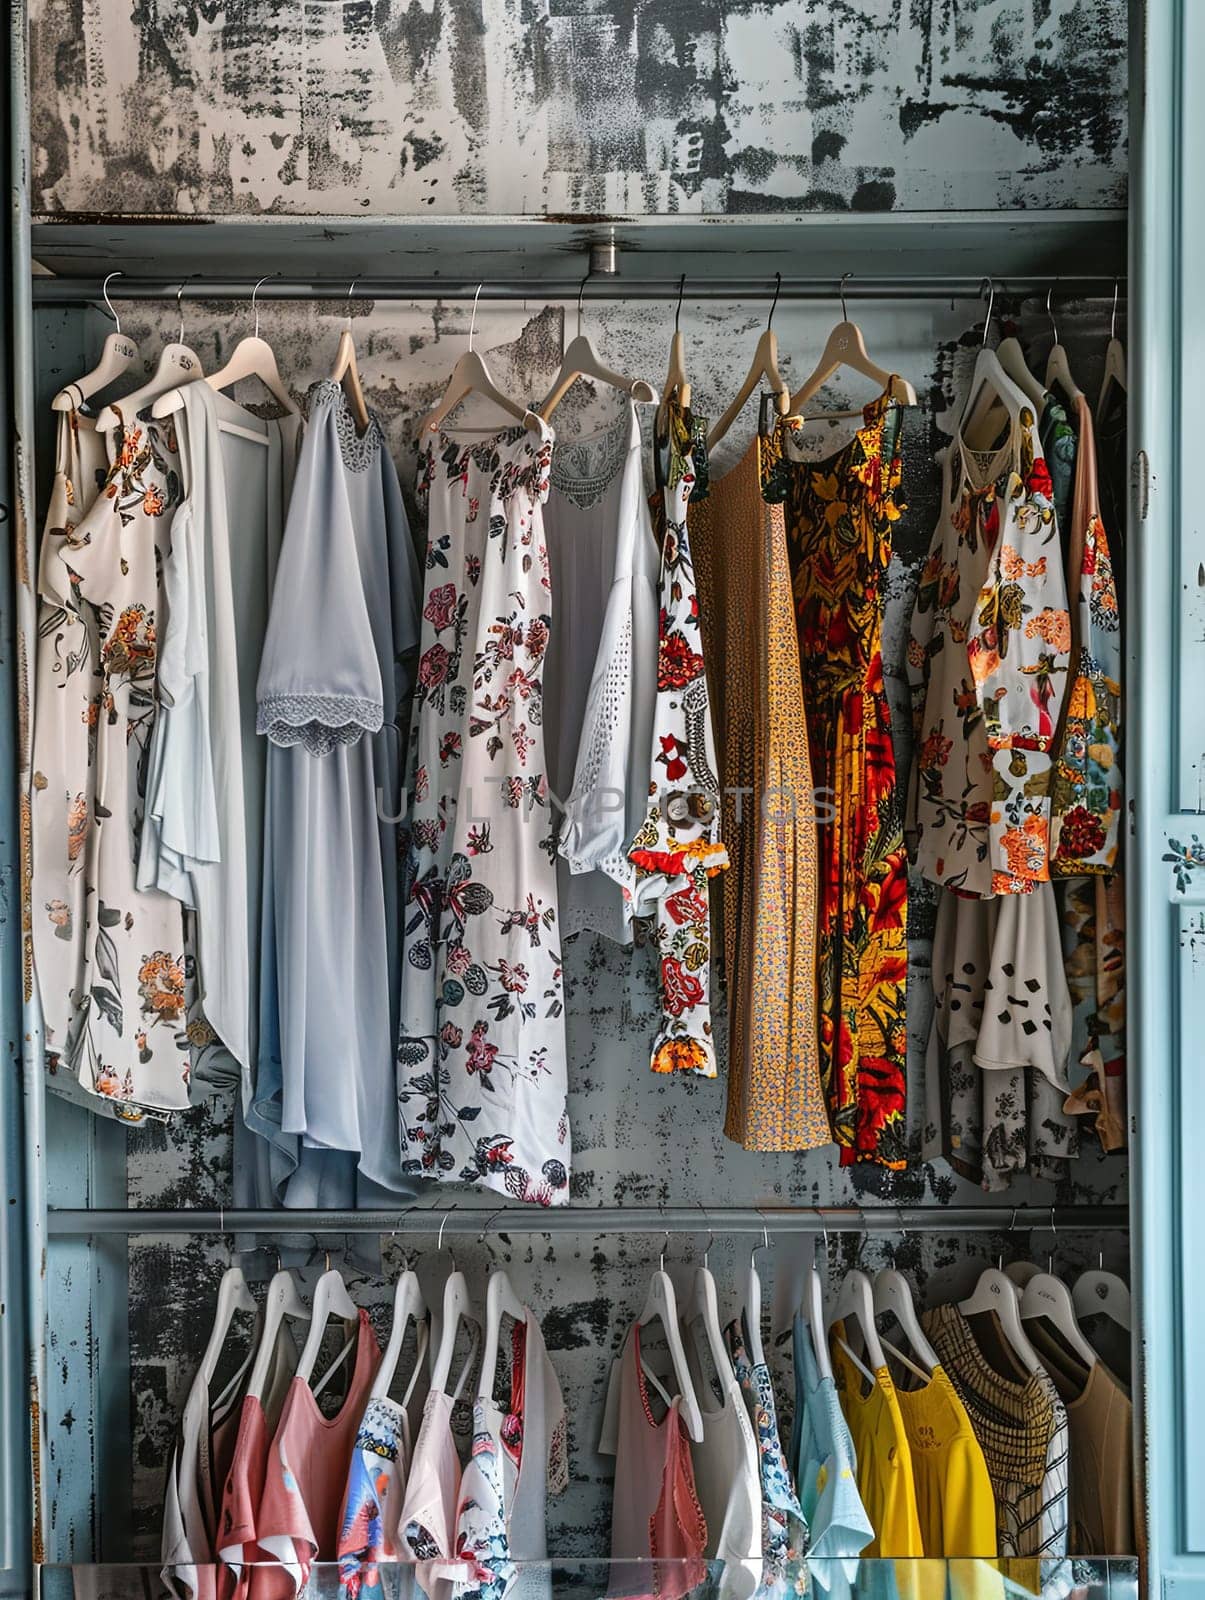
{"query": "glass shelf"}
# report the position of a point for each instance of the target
(1105, 1578)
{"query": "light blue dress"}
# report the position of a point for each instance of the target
(333, 702)
(822, 1453)
(202, 832)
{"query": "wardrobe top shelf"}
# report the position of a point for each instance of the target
(811, 246)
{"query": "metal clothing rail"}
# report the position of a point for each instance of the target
(483, 1219)
(600, 286)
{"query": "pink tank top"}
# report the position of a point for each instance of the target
(240, 1499)
(655, 1511)
(298, 1517)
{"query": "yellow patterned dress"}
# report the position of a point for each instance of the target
(839, 514)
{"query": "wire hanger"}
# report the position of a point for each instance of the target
(178, 364)
(469, 376)
(676, 381)
(581, 360)
(346, 370)
(252, 357)
(117, 355)
(1058, 368)
(846, 347)
(1115, 357)
(765, 365)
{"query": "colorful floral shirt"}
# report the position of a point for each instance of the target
(988, 659)
(677, 849)
(376, 1480)
(1087, 791)
(784, 1531)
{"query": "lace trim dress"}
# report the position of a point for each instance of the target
(333, 699)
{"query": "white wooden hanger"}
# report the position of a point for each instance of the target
(233, 1297)
(1115, 358)
(1058, 368)
(455, 1308)
(675, 377)
(995, 1291)
(331, 1299)
(500, 1301)
(660, 1305)
(702, 1307)
(765, 365)
(346, 370)
(1098, 1293)
(469, 376)
(282, 1300)
(846, 347)
(251, 357)
(1049, 1298)
(1012, 358)
(1019, 1273)
(855, 1304)
(582, 360)
(177, 364)
(118, 354)
(893, 1297)
(408, 1306)
(752, 1308)
(813, 1310)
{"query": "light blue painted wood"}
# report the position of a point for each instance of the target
(1166, 742)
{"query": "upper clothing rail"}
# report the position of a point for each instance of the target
(68, 290)
(479, 1219)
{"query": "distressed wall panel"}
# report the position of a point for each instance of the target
(639, 1139)
(576, 106)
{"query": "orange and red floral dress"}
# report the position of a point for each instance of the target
(839, 516)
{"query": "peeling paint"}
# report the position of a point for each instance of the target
(576, 107)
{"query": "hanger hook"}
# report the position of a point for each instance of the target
(1113, 318)
(180, 307)
(710, 1233)
(221, 1221)
(844, 313)
(774, 302)
(1054, 1239)
(473, 318)
(678, 307)
(105, 291)
(991, 300)
(255, 298)
(486, 1223)
(765, 1242)
(1054, 327)
(351, 289)
(440, 1242)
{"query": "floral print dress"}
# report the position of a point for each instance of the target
(678, 849)
(784, 1531)
(988, 660)
(481, 1052)
(126, 1043)
(839, 515)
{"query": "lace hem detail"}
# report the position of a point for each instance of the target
(320, 722)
